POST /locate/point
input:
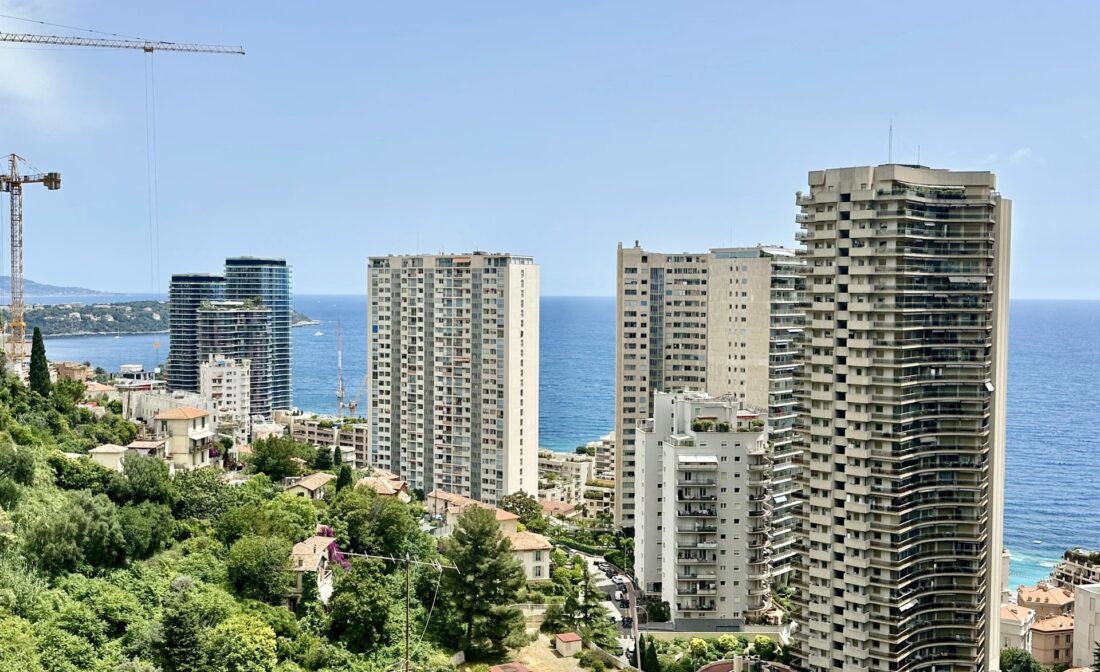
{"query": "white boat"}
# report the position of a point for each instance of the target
(319, 333)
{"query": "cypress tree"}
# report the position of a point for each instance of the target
(337, 456)
(40, 369)
(343, 479)
(639, 652)
(651, 662)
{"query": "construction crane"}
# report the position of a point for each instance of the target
(339, 374)
(148, 46)
(13, 184)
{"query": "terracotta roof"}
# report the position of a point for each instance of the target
(1011, 612)
(528, 541)
(1054, 623)
(313, 481)
(383, 473)
(383, 486)
(307, 555)
(509, 667)
(182, 413)
(107, 448)
(145, 444)
(461, 503)
(568, 637)
(1043, 594)
(94, 388)
(551, 507)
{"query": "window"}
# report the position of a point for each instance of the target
(538, 556)
(538, 570)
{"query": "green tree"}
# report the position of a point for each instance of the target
(147, 479)
(323, 459)
(147, 528)
(765, 647)
(651, 663)
(480, 594)
(367, 523)
(179, 641)
(639, 652)
(259, 568)
(360, 606)
(337, 457)
(343, 479)
(18, 646)
(16, 463)
(242, 643)
(40, 368)
(85, 530)
(201, 493)
(275, 456)
(1096, 656)
(1018, 660)
(523, 505)
(285, 516)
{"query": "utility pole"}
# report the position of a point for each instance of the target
(408, 600)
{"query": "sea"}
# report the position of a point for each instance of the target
(1052, 500)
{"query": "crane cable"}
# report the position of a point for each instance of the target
(61, 25)
(151, 169)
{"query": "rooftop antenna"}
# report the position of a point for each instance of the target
(918, 155)
(890, 144)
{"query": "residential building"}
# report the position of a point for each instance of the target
(134, 378)
(599, 501)
(350, 435)
(1016, 622)
(310, 487)
(703, 510)
(1086, 623)
(241, 330)
(154, 447)
(312, 560)
(444, 508)
(604, 451)
(143, 407)
(189, 437)
(901, 419)
(267, 281)
(108, 455)
(72, 371)
(385, 484)
(186, 292)
(533, 552)
(558, 509)
(227, 383)
(1052, 641)
(454, 371)
(1045, 599)
(1006, 572)
(725, 322)
(1077, 568)
(562, 476)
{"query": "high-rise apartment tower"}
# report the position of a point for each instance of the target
(241, 330)
(186, 292)
(725, 322)
(901, 417)
(454, 372)
(267, 281)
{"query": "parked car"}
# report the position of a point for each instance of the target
(624, 603)
(628, 622)
(618, 578)
(618, 596)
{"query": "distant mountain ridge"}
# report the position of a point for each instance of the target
(32, 288)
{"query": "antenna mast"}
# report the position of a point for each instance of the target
(890, 144)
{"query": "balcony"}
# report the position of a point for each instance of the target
(697, 575)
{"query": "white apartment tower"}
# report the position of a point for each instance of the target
(725, 322)
(901, 418)
(704, 510)
(227, 383)
(454, 372)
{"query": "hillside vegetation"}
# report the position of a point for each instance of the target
(141, 571)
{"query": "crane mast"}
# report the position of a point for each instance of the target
(13, 184)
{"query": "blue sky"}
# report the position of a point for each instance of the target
(551, 129)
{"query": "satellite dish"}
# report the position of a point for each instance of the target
(156, 370)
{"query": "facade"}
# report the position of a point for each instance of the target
(445, 508)
(1077, 568)
(351, 436)
(268, 282)
(241, 330)
(703, 511)
(227, 383)
(144, 406)
(901, 418)
(108, 455)
(562, 476)
(725, 322)
(385, 484)
(134, 378)
(604, 449)
(186, 292)
(599, 501)
(1016, 622)
(310, 487)
(1086, 624)
(1052, 641)
(1045, 600)
(454, 370)
(533, 552)
(188, 435)
(312, 560)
